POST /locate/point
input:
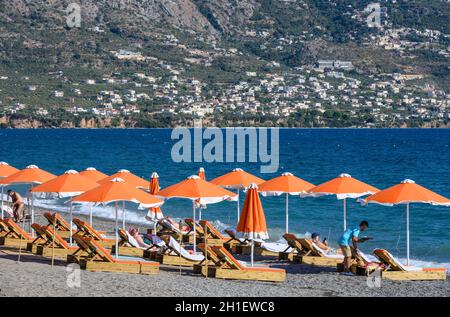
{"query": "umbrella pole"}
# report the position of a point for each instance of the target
(3, 213)
(251, 256)
(195, 229)
(116, 231)
(407, 234)
(90, 215)
(345, 214)
(287, 212)
(237, 206)
(71, 223)
(123, 215)
(32, 210)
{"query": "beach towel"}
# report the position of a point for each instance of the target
(276, 247)
(184, 253)
(132, 241)
(326, 255)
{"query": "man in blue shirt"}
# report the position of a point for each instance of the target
(351, 237)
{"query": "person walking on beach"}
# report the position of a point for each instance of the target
(351, 236)
(18, 205)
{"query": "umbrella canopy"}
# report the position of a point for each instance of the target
(199, 191)
(128, 177)
(115, 191)
(287, 184)
(344, 186)
(196, 189)
(406, 193)
(69, 184)
(7, 170)
(154, 213)
(252, 224)
(201, 173)
(93, 174)
(29, 175)
(237, 179)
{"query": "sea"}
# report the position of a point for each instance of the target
(379, 157)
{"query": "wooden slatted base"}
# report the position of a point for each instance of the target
(283, 256)
(250, 275)
(14, 243)
(128, 251)
(174, 260)
(211, 242)
(58, 253)
(136, 268)
(317, 260)
(425, 275)
(31, 247)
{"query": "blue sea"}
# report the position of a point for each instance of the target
(379, 157)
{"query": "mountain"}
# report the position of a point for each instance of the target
(217, 42)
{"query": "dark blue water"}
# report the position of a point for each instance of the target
(379, 157)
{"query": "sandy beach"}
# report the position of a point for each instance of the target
(34, 276)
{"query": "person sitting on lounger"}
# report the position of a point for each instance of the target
(17, 205)
(351, 236)
(315, 237)
(137, 236)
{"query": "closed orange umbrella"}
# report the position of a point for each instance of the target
(252, 224)
(287, 184)
(117, 190)
(202, 173)
(237, 179)
(69, 184)
(406, 193)
(30, 175)
(128, 177)
(344, 186)
(155, 213)
(93, 174)
(5, 171)
(199, 191)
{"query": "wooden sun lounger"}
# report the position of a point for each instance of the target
(310, 255)
(57, 221)
(234, 244)
(396, 271)
(55, 246)
(40, 239)
(85, 230)
(214, 237)
(174, 257)
(199, 232)
(294, 243)
(3, 228)
(165, 227)
(15, 237)
(227, 267)
(99, 259)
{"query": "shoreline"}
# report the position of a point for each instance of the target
(34, 276)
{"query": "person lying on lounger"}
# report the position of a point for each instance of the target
(177, 225)
(315, 237)
(17, 205)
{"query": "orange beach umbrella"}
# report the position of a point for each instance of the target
(128, 177)
(406, 193)
(237, 179)
(287, 184)
(199, 191)
(93, 174)
(117, 190)
(155, 213)
(5, 171)
(344, 186)
(31, 175)
(69, 184)
(252, 224)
